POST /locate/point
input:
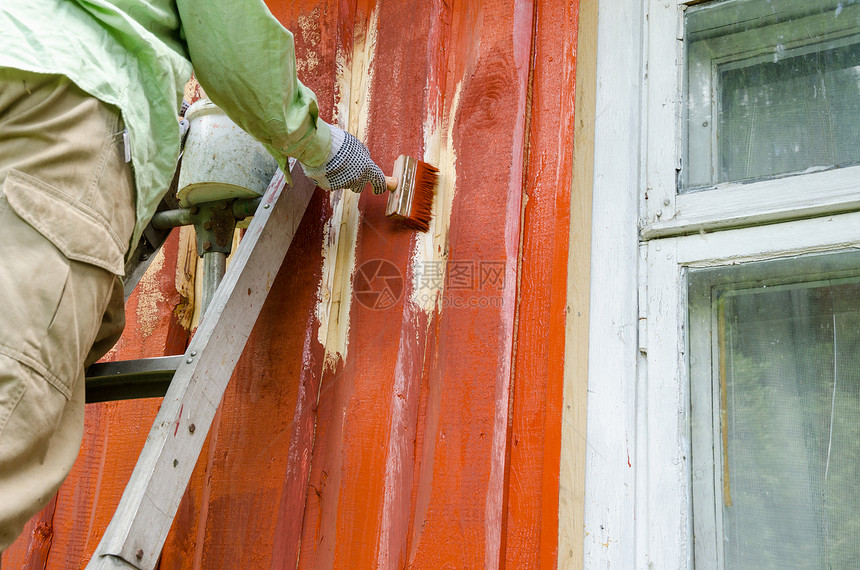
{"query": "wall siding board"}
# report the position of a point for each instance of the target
(535, 450)
(613, 448)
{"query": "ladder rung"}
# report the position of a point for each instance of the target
(129, 379)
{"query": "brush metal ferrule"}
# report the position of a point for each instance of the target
(400, 199)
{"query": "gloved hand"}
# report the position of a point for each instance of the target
(348, 165)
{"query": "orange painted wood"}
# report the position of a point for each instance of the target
(359, 494)
(535, 444)
(256, 473)
(459, 506)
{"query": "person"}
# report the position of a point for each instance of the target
(89, 94)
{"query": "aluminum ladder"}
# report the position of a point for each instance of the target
(197, 381)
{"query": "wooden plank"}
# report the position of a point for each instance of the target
(572, 469)
(611, 462)
(768, 242)
(318, 532)
(390, 386)
(663, 437)
(353, 412)
(257, 473)
(282, 360)
(399, 125)
(535, 441)
(146, 511)
(663, 109)
(763, 202)
(465, 423)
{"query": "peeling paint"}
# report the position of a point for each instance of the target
(309, 32)
(354, 78)
(150, 296)
(336, 288)
(431, 248)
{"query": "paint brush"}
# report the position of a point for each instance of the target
(411, 191)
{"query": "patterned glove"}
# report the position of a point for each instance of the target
(348, 166)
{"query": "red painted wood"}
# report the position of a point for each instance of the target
(258, 470)
(535, 445)
(458, 522)
(252, 484)
(368, 407)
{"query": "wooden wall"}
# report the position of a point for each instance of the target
(400, 400)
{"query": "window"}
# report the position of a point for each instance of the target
(772, 88)
(749, 284)
(727, 177)
(762, 99)
(775, 373)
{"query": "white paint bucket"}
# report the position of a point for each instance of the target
(221, 161)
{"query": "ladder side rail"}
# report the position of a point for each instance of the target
(137, 532)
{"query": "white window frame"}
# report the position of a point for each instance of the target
(708, 468)
(638, 490)
(668, 391)
(726, 205)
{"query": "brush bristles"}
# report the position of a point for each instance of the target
(426, 181)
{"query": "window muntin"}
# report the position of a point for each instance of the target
(775, 388)
(772, 88)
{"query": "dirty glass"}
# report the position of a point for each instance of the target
(772, 89)
(785, 401)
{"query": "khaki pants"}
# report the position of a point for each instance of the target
(66, 215)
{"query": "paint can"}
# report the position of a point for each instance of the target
(220, 160)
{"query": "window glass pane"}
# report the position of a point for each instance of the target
(785, 401)
(787, 115)
(773, 88)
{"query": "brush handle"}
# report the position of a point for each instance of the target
(391, 183)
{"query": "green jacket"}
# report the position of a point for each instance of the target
(138, 56)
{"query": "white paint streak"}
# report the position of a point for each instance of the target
(394, 460)
(295, 441)
(495, 489)
(431, 248)
(309, 29)
(342, 85)
(428, 263)
(334, 299)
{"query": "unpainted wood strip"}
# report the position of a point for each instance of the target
(572, 470)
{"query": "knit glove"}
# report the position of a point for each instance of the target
(348, 165)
